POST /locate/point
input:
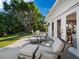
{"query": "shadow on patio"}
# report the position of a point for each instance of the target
(9, 53)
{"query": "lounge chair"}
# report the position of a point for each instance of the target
(39, 38)
(28, 52)
(33, 51)
(54, 52)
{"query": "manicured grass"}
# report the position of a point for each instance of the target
(4, 41)
(9, 39)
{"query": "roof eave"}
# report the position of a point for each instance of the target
(46, 18)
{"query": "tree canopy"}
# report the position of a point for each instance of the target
(19, 16)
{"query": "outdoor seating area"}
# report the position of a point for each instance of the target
(39, 29)
(53, 48)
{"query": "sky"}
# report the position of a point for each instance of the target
(44, 6)
(1, 4)
(8, 1)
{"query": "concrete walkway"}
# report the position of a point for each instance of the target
(20, 42)
(11, 51)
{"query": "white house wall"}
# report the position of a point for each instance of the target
(62, 6)
(61, 11)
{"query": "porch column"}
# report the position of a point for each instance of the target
(63, 27)
(50, 29)
(55, 28)
(77, 17)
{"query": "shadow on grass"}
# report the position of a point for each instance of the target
(10, 39)
(23, 34)
(14, 36)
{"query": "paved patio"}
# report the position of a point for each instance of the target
(11, 51)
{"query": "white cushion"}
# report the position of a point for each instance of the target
(48, 56)
(43, 48)
(57, 45)
(48, 44)
(28, 50)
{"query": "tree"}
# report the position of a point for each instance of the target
(20, 16)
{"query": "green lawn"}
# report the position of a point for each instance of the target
(4, 41)
(9, 39)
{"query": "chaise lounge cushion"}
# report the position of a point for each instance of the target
(44, 48)
(28, 50)
(34, 40)
(57, 45)
(48, 56)
(40, 49)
